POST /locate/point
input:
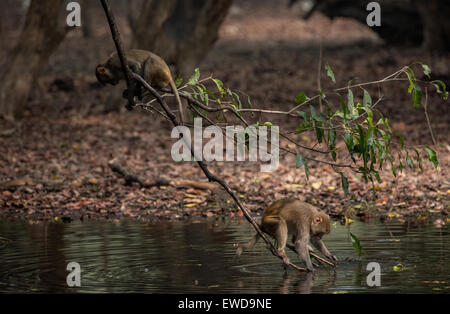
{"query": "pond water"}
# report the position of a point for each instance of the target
(199, 257)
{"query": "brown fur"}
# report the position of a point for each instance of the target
(153, 69)
(302, 220)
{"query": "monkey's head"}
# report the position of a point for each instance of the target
(320, 225)
(105, 75)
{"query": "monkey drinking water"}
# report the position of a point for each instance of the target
(152, 68)
(299, 219)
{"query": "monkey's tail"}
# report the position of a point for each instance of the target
(177, 97)
(247, 246)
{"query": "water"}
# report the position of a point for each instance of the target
(198, 257)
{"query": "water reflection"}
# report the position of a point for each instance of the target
(198, 257)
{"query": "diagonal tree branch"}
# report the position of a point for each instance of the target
(211, 177)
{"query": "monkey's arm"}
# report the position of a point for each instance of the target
(135, 67)
(292, 248)
(322, 248)
(301, 246)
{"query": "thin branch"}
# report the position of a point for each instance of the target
(303, 146)
(319, 73)
(210, 109)
(386, 79)
(425, 107)
(120, 52)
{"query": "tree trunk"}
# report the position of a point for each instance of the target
(41, 35)
(403, 22)
(181, 31)
(434, 14)
(400, 21)
(88, 17)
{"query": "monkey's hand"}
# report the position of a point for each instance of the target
(129, 94)
(129, 105)
(310, 268)
(125, 94)
(286, 262)
(239, 250)
(333, 258)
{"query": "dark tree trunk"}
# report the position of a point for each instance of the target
(88, 17)
(400, 21)
(41, 35)
(404, 22)
(181, 31)
(435, 17)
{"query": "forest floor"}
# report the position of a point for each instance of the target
(54, 163)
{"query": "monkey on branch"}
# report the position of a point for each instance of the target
(299, 219)
(152, 68)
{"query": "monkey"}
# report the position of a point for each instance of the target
(152, 68)
(303, 221)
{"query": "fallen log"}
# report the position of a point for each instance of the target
(130, 178)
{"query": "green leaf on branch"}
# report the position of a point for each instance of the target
(304, 115)
(305, 125)
(330, 73)
(301, 98)
(426, 69)
(350, 98)
(418, 159)
(319, 117)
(441, 88)
(432, 156)
(417, 96)
(178, 82)
(409, 160)
(332, 142)
(300, 161)
(348, 138)
(357, 245)
(367, 100)
(344, 181)
(319, 131)
(194, 78)
(220, 87)
(414, 88)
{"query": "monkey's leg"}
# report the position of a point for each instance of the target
(322, 248)
(135, 88)
(247, 246)
(310, 249)
(292, 248)
(301, 246)
(294, 238)
(278, 229)
(137, 92)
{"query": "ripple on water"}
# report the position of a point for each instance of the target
(176, 257)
